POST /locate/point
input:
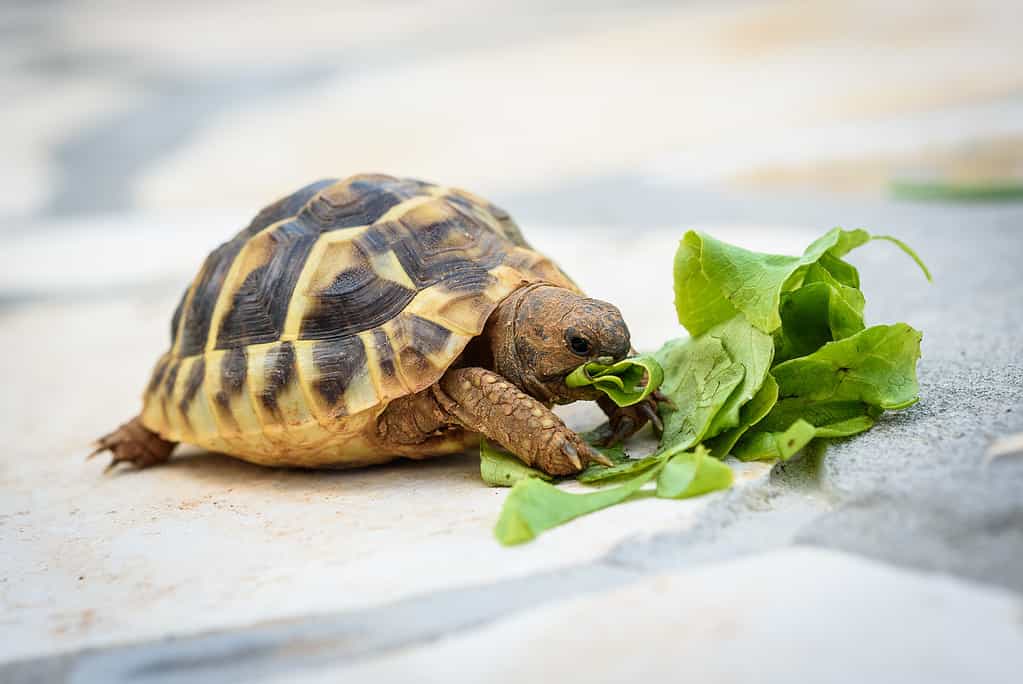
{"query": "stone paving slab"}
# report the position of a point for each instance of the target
(793, 615)
(212, 543)
(803, 613)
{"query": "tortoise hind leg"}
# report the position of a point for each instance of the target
(134, 443)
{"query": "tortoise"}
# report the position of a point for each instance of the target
(360, 320)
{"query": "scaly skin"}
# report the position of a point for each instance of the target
(625, 421)
(483, 401)
(133, 443)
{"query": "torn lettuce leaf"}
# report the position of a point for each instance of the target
(774, 446)
(838, 390)
(813, 315)
(534, 506)
(876, 366)
(715, 280)
(692, 473)
(627, 382)
(751, 349)
(710, 379)
(597, 474)
(834, 417)
(700, 378)
(751, 414)
(499, 468)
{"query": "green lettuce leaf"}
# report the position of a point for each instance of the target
(692, 473)
(820, 311)
(700, 377)
(769, 441)
(774, 446)
(831, 418)
(598, 474)
(841, 270)
(876, 366)
(499, 468)
(908, 250)
(534, 506)
(699, 302)
(846, 428)
(715, 280)
(627, 382)
(751, 414)
(751, 349)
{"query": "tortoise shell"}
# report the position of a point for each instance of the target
(336, 300)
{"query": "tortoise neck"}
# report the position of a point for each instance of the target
(510, 354)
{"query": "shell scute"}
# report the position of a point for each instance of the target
(201, 301)
(347, 295)
(357, 201)
(265, 275)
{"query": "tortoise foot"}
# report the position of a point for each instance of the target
(135, 444)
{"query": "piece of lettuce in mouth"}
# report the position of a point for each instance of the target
(627, 382)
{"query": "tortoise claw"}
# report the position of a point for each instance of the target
(570, 452)
(620, 431)
(583, 454)
(601, 458)
(648, 411)
(662, 398)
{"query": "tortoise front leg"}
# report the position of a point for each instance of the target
(482, 401)
(626, 421)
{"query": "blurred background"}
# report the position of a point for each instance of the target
(192, 115)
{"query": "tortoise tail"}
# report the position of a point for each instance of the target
(136, 444)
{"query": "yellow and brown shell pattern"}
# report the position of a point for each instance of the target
(295, 335)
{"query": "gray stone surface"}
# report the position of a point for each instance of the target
(290, 648)
(795, 614)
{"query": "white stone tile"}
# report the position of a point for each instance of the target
(211, 543)
(791, 615)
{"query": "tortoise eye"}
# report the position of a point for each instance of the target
(579, 345)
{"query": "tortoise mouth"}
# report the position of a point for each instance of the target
(557, 390)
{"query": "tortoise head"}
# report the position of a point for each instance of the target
(541, 333)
